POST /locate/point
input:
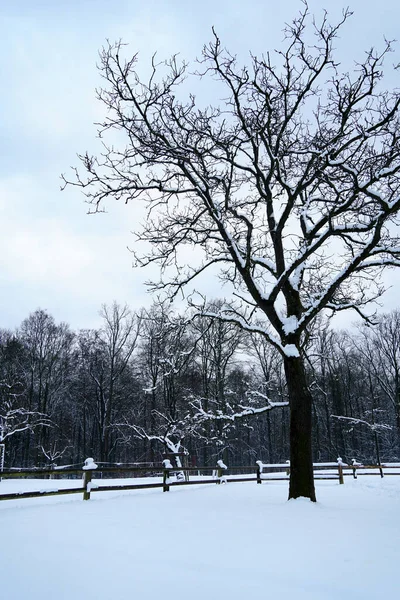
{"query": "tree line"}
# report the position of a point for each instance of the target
(155, 381)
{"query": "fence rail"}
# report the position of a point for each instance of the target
(259, 473)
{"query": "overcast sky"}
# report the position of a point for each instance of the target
(52, 254)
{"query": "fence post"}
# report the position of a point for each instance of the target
(340, 470)
(53, 468)
(354, 466)
(167, 469)
(87, 469)
(259, 470)
(288, 468)
(221, 467)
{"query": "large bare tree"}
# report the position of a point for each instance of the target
(289, 183)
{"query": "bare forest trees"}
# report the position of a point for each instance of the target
(47, 371)
(199, 385)
(165, 358)
(16, 417)
(352, 415)
(218, 346)
(232, 390)
(381, 351)
(290, 185)
(268, 383)
(105, 356)
(164, 353)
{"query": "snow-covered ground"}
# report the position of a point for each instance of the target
(234, 541)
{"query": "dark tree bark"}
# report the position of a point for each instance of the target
(300, 400)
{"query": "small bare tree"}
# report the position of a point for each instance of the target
(291, 185)
(54, 452)
(14, 417)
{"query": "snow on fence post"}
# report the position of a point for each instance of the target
(87, 469)
(259, 470)
(288, 468)
(167, 469)
(340, 469)
(354, 466)
(221, 467)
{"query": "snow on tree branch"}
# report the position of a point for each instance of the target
(292, 209)
(371, 426)
(17, 420)
(244, 411)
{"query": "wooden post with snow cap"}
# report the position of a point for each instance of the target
(221, 467)
(354, 466)
(87, 469)
(340, 469)
(259, 464)
(167, 469)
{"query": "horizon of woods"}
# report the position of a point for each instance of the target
(155, 381)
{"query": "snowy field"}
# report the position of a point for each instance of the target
(234, 541)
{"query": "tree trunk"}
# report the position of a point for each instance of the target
(301, 464)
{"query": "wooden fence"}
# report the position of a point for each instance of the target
(332, 470)
(259, 473)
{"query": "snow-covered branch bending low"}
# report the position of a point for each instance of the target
(17, 420)
(171, 438)
(243, 411)
(371, 426)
